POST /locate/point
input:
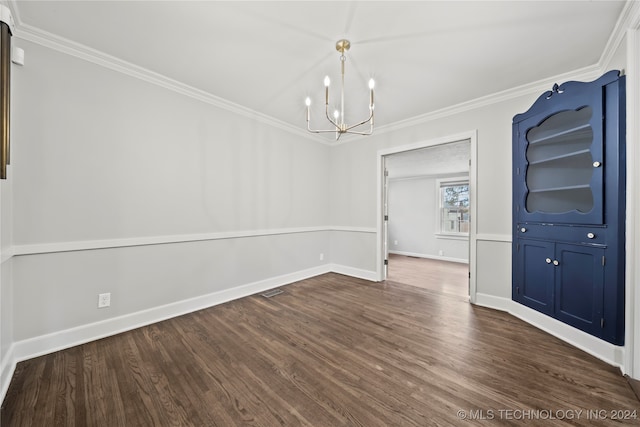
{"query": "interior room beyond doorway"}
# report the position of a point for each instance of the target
(444, 277)
(428, 206)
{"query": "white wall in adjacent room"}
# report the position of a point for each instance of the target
(412, 215)
(413, 204)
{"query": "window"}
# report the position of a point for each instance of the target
(453, 212)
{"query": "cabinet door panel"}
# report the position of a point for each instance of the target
(579, 286)
(557, 180)
(533, 285)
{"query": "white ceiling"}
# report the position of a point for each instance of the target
(438, 160)
(268, 56)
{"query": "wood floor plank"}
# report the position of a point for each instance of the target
(330, 351)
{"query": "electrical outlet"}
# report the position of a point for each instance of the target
(321, 257)
(104, 300)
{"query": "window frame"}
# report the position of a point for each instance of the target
(449, 182)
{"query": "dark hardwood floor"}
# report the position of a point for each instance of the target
(329, 351)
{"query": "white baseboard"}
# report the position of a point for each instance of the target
(490, 301)
(7, 368)
(609, 353)
(369, 275)
(440, 258)
(34, 347)
(45, 344)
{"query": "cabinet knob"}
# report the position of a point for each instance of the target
(548, 260)
(597, 164)
(522, 230)
(556, 262)
(591, 235)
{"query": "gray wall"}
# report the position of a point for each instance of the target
(105, 165)
(114, 157)
(118, 185)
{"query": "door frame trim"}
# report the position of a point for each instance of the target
(472, 137)
(632, 244)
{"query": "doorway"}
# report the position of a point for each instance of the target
(427, 211)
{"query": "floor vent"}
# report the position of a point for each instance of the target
(272, 293)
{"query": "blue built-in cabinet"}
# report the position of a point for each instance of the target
(569, 205)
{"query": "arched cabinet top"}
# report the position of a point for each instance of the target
(560, 95)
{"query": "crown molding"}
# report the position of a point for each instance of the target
(586, 73)
(7, 17)
(35, 35)
(13, 7)
(629, 18)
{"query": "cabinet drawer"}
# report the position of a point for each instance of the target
(563, 233)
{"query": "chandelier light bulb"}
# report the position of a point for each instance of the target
(372, 83)
(327, 81)
(307, 101)
(336, 114)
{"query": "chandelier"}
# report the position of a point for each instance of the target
(339, 126)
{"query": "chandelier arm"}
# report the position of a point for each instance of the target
(313, 130)
(360, 133)
(326, 112)
(322, 130)
(361, 123)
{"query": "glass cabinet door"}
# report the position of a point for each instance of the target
(561, 170)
